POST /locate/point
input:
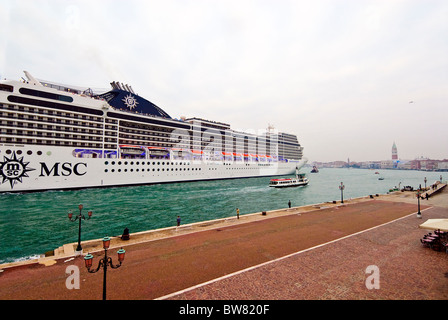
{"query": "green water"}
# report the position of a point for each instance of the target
(33, 223)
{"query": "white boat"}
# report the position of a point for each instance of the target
(299, 180)
(55, 137)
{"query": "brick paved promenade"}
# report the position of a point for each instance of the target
(286, 256)
(337, 270)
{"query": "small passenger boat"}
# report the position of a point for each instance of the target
(299, 180)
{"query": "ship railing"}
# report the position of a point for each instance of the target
(151, 152)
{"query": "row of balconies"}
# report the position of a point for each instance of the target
(75, 144)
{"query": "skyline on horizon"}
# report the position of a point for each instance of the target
(420, 157)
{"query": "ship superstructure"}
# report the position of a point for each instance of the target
(60, 137)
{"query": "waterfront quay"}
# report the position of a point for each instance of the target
(365, 248)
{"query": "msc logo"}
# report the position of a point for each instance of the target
(65, 169)
(14, 169)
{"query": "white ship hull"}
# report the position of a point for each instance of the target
(57, 169)
(57, 138)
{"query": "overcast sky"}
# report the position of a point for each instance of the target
(347, 77)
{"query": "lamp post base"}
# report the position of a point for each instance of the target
(78, 253)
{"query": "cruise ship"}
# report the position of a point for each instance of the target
(59, 137)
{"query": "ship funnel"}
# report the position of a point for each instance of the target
(31, 79)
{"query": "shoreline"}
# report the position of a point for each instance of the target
(331, 243)
(67, 251)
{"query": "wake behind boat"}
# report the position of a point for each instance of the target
(299, 180)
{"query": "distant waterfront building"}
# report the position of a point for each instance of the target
(388, 164)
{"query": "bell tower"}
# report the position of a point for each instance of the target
(394, 155)
(394, 152)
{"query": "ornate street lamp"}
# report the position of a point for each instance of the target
(342, 187)
(104, 262)
(79, 217)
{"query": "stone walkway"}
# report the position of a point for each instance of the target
(321, 252)
(338, 270)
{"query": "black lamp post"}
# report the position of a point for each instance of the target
(104, 262)
(79, 217)
(419, 214)
(342, 187)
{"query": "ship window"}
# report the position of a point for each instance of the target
(46, 95)
(55, 105)
(7, 88)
